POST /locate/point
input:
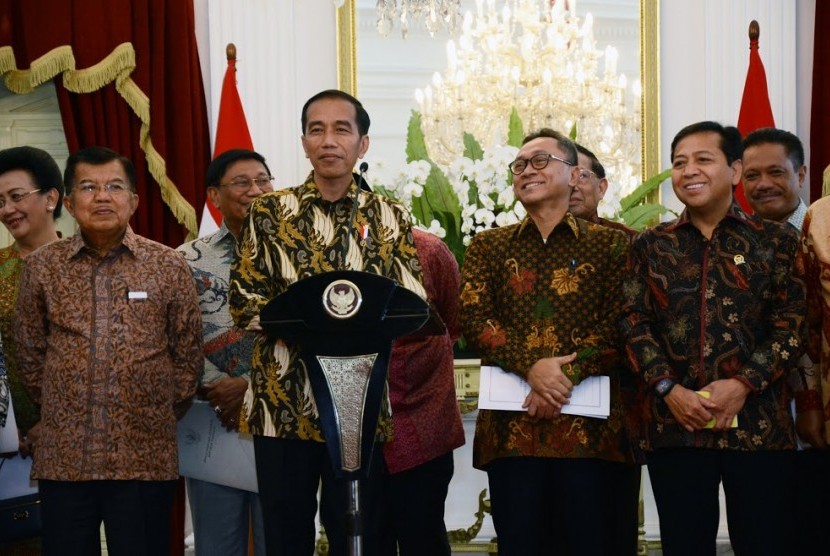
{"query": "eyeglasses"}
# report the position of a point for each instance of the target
(16, 198)
(585, 175)
(538, 162)
(92, 189)
(244, 184)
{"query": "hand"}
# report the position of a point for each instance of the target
(27, 442)
(227, 395)
(810, 428)
(690, 409)
(538, 407)
(546, 378)
(729, 396)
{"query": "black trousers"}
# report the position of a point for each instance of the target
(413, 509)
(558, 506)
(289, 473)
(136, 517)
(812, 502)
(760, 500)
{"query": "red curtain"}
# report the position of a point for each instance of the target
(820, 119)
(167, 71)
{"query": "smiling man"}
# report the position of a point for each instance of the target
(713, 305)
(542, 299)
(773, 175)
(327, 223)
(222, 514)
(109, 342)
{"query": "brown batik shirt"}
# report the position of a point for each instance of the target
(525, 299)
(108, 346)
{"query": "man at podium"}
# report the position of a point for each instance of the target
(327, 223)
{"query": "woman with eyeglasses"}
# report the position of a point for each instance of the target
(31, 194)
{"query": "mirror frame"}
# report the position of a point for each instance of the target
(649, 73)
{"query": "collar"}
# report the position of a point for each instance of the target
(77, 243)
(796, 219)
(310, 193)
(734, 214)
(569, 220)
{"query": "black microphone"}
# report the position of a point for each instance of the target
(364, 166)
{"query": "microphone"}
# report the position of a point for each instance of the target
(364, 166)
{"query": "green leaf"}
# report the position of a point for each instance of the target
(637, 196)
(515, 130)
(472, 148)
(572, 134)
(543, 310)
(416, 146)
(641, 216)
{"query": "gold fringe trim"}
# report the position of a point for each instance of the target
(825, 184)
(117, 66)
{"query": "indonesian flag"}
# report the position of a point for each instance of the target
(231, 133)
(756, 111)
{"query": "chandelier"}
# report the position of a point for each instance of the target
(541, 60)
(435, 14)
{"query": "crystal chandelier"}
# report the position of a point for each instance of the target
(435, 14)
(540, 60)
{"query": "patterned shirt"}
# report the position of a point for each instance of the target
(293, 234)
(814, 261)
(108, 346)
(425, 412)
(525, 299)
(700, 310)
(26, 411)
(228, 349)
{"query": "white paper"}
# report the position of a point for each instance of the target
(208, 452)
(136, 295)
(9, 439)
(14, 478)
(507, 392)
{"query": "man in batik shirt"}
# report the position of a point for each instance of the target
(714, 306)
(325, 224)
(542, 299)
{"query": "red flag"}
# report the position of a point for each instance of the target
(756, 111)
(231, 133)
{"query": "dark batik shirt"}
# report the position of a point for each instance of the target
(108, 346)
(700, 310)
(524, 299)
(293, 234)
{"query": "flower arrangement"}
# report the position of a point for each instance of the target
(476, 191)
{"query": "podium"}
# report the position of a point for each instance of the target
(344, 323)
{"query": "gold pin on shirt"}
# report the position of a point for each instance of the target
(739, 259)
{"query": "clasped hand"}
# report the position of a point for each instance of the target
(693, 411)
(550, 389)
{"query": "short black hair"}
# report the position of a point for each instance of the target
(791, 143)
(96, 156)
(219, 165)
(730, 138)
(42, 167)
(362, 116)
(561, 139)
(596, 167)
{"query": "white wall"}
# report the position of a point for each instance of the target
(286, 52)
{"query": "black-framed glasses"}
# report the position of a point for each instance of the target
(16, 198)
(244, 184)
(538, 161)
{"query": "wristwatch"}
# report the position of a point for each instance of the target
(663, 386)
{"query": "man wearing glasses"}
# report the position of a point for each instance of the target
(109, 342)
(541, 299)
(590, 189)
(222, 514)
